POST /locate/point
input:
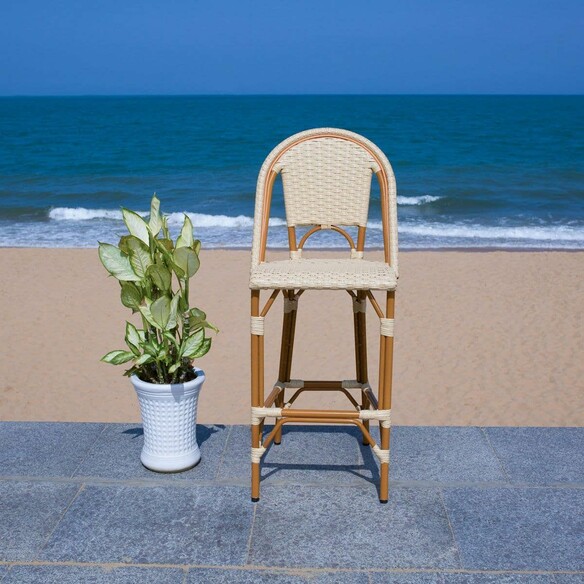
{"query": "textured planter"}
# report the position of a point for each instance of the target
(169, 419)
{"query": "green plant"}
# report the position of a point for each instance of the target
(154, 274)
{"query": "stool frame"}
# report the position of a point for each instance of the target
(276, 404)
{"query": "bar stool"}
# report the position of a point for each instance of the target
(326, 175)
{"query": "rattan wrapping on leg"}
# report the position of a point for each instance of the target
(359, 305)
(387, 326)
(257, 325)
(383, 416)
(259, 413)
(257, 453)
(382, 455)
(356, 255)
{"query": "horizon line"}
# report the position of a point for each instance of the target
(94, 95)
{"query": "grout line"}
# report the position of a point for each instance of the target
(221, 458)
(458, 555)
(44, 545)
(185, 576)
(501, 465)
(361, 485)
(89, 450)
(280, 569)
(249, 540)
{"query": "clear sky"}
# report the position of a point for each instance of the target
(61, 47)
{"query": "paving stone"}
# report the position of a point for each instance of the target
(3, 570)
(540, 455)
(28, 513)
(116, 455)
(569, 578)
(308, 454)
(436, 454)
(155, 525)
(92, 575)
(39, 449)
(518, 529)
(216, 576)
(348, 527)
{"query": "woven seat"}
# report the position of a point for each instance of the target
(326, 177)
(323, 274)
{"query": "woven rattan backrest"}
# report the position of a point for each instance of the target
(326, 173)
(326, 181)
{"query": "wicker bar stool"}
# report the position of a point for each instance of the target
(326, 175)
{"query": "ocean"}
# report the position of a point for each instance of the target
(472, 171)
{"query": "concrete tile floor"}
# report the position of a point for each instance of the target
(467, 505)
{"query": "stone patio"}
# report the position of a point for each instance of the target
(467, 505)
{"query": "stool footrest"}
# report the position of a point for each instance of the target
(259, 413)
(321, 384)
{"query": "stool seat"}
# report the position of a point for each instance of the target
(323, 274)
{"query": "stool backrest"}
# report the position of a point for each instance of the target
(326, 174)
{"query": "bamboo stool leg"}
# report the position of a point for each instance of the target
(359, 322)
(385, 382)
(256, 398)
(288, 326)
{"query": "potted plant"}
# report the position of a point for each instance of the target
(154, 274)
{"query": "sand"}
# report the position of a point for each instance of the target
(481, 338)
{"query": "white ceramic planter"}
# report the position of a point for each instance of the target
(169, 418)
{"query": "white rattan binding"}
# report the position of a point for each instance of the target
(387, 326)
(382, 455)
(257, 325)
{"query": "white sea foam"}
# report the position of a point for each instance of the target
(439, 231)
(203, 220)
(421, 200)
(82, 214)
(174, 219)
(525, 232)
(235, 231)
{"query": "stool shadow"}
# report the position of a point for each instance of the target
(367, 470)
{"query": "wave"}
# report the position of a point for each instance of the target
(432, 233)
(421, 200)
(82, 214)
(198, 219)
(525, 232)
(203, 220)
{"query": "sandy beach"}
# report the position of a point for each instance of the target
(482, 338)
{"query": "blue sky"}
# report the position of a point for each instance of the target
(72, 47)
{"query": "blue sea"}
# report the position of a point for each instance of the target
(472, 171)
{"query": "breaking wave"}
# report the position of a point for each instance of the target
(198, 219)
